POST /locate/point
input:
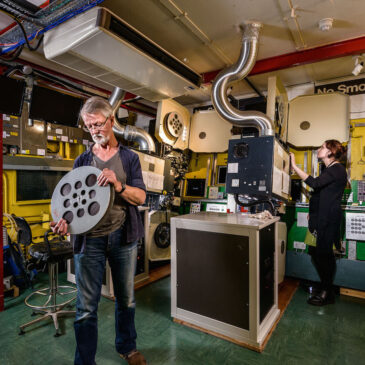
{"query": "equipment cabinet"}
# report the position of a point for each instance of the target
(224, 275)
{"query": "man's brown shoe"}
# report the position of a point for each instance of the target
(134, 358)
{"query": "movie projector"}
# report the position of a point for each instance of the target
(158, 238)
(258, 170)
(258, 167)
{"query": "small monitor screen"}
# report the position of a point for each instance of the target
(222, 173)
(36, 184)
(195, 187)
(11, 96)
(54, 107)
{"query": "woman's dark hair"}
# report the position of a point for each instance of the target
(337, 150)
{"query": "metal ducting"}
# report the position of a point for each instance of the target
(237, 72)
(116, 98)
(139, 135)
(129, 133)
(101, 45)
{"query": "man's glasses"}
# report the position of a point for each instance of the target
(97, 126)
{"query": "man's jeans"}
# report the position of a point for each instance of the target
(89, 270)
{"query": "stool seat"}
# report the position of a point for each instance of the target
(60, 251)
(56, 297)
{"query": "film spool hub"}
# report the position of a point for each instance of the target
(173, 125)
(79, 199)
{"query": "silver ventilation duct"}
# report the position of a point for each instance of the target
(140, 136)
(237, 72)
(129, 133)
(116, 98)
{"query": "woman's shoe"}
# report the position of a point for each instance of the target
(312, 288)
(323, 298)
(315, 289)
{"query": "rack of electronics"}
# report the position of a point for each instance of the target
(41, 138)
(35, 121)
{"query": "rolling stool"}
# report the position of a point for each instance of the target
(51, 253)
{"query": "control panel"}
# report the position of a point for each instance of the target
(258, 166)
(195, 207)
(355, 226)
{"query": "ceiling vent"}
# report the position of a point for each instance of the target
(99, 44)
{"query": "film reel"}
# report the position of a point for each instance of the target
(162, 235)
(79, 200)
(173, 125)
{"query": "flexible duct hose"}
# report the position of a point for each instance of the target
(236, 72)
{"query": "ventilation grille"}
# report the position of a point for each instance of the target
(88, 68)
(102, 46)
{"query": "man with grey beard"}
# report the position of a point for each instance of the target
(115, 239)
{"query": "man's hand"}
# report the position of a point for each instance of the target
(59, 227)
(108, 176)
(132, 195)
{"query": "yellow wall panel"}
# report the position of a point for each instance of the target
(357, 162)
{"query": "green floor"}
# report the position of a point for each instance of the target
(333, 334)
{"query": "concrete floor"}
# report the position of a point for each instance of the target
(334, 334)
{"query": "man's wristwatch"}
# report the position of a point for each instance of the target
(122, 189)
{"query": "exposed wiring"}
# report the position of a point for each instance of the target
(8, 44)
(24, 32)
(16, 6)
(60, 5)
(255, 201)
(20, 12)
(13, 226)
(26, 37)
(59, 86)
(65, 17)
(15, 55)
(72, 87)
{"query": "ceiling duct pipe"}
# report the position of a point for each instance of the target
(128, 132)
(237, 72)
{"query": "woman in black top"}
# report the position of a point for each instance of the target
(325, 214)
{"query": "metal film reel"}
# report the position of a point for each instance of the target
(79, 200)
(173, 125)
(162, 235)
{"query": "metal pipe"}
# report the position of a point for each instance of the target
(295, 18)
(132, 100)
(116, 98)
(128, 132)
(139, 135)
(330, 51)
(183, 17)
(236, 72)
